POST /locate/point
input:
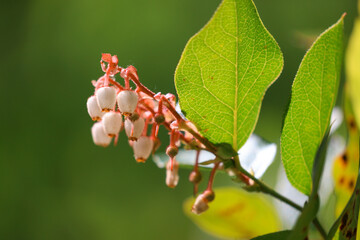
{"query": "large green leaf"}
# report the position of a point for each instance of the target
(236, 214)
(224, 72)
(313, 95)
(353, 68)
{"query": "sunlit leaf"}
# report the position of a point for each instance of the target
(346, 225)
(353, 68)
(345, 171)
(346, 165)
(313, 97)
(236, 214)
(224, 72)
(255, 156)
(308, 214)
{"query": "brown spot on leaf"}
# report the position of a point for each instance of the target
(342, 180)
(352, 124)
(351, 184)
(344, 157)
(232, 210)
(349, 234)
(344, 221)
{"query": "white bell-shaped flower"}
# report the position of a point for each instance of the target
(127, 101)
(200, 205)
(134, 129)
(172, 175)
(106, 98)
(143, 148)
(112, 122)
(93, 108)
(99, 136)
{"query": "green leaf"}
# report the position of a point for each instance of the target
(345, 171)
(313, 96)
(308, 214)
(347, 223)
(353, 68)
(346, 165)
(236, 214)
(224, 72)
(283, 235)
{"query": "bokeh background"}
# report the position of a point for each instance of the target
(54, 183)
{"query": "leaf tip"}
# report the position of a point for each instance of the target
(343, 15)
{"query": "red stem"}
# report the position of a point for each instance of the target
(212, 175)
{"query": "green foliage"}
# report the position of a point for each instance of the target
(308, 214)
(313, 97)
(353, 68)
(283, 235)
(346, 165)
(236, 214)
(346, 225)
(224, 72)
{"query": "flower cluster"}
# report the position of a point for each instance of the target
(141, 112)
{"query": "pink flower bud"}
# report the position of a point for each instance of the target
(93, 108)
(143, 148)
(99, 136)
(106, 98)
(200, 205)
(127, 101)
(172, 176)
(112, 122)
(134, 129)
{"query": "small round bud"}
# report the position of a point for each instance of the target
(112, 122)
(106, 98)
(172, 176)
(200, 205)
(209, 195)
(195, 177)
(133, 117)
(142, 148)
(93, 109)
(159, 118)
(127, 101)
(99, 136)
(172, 151)
(134, 129)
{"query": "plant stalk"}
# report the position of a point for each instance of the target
(267, 190)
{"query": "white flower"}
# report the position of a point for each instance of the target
(127, 101)
(134, 129)
(106, 98)
(93, 108)
(200, 205)
(143, 148)
(172, 176)
(112, 122)
(99, 136)
(201, 202)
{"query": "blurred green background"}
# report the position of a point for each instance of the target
(54, 183)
